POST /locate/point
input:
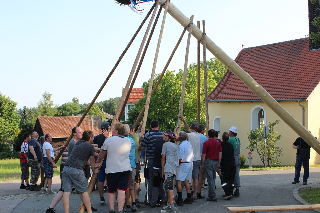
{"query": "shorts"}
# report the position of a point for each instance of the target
(196, 169)
(48, 168)
(118, 181)
(184, 171)
(168, 183)
(132, 176)
(24, 170)
(102, 173)
(72, 176)
(137, 178)
(61, 169)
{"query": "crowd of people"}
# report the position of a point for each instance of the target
(173, 160)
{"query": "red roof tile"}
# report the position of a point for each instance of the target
(61, 126)
(135, 95)
(286, 70)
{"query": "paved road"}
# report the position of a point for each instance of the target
(258, 188)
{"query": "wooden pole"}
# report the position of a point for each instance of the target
(205, 75)
(153, 71)
(184, 78)
(116, 117)
(162, 74)
(95, 176)
(198, 78)
(247, 80)
(140, 63)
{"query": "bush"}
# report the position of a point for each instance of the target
(243, 160)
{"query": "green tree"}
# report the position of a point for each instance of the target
(70, 108)
(256, 139)
(94, 111)
(164, 104)
(109, 106)
(46, 106)
(315, 36)
(9, 125)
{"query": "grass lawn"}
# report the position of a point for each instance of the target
(311, 195)
(10, 169)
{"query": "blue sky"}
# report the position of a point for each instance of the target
(68, 48)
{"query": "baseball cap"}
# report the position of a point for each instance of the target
(105, 125)
(194, 125)
(170, 135)
(233, 129)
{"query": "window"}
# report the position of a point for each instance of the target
(258, 117)
(216, 124)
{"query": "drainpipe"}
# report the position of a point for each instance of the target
(303, 123)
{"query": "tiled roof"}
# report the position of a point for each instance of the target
(135, 95)
(61, 126)
(286, 70)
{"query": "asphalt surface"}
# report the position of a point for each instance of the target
(258, 188)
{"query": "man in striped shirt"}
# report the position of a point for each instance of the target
(148, 142)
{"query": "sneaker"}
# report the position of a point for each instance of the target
(112, 211)
(228, 197)
(295, 182)
(50, 210)
(102, 202)
(126, 209)
(134, 207)
(170, 209)
(194, 198)
(188, 200)
(236, 193)
(28, 187)
(304, 183)
(212, 199)
(23, 187)
(51, 192)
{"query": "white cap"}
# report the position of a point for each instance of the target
(233, 129)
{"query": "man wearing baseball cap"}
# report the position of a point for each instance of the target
(235, 141)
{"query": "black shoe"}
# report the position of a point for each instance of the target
(295, 182)
(28, 187)
(188, 200)
(200, 197)
(34, 188)
(212, 199)
(228, 197)
(23, 186)
(180, 202)
(50, 210)
(236, 193)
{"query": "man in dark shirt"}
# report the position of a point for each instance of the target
(73, 171)
(228, 167)
(148, 142)
(303, 156)
(34, 160)
(99, 140)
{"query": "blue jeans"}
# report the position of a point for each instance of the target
(211, 168)
(302, 158)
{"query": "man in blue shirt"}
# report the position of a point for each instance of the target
(34, 160)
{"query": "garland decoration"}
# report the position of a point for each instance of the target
(133, 4)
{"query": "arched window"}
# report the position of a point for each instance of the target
(258, 117)
(216, 124)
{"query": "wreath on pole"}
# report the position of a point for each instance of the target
(132, 3)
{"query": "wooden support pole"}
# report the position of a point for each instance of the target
(95, 176)
(140, 63)
(247, 80)
(125, 91)
(205, 75)
(184, 78)
(153, 71)
(162, 74)
(198, 78)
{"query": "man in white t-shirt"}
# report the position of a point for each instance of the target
(194, 139)
(118, 165)
(48, 163)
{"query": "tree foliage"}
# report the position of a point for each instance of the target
(70, 108)
(315, 36)
(46, 106)
(256, 139)
(164, 104)
(9, 125)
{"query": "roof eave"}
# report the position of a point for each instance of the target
(258, 100)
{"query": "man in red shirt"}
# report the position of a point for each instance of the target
(23, 162)
(210, 161)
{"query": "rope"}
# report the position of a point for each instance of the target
(153, 71)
